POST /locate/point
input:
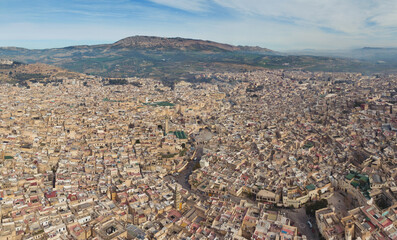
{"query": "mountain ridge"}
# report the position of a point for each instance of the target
(146, 56)
(182, 43)
(153, 42)
(16, 72)
(174, 59)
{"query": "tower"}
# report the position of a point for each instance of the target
(177, 199)
(166, 129)
(349, 231)
(112, 193)
(109, 180)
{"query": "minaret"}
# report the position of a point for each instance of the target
(109, 190)
(177, 199)
(166, 129)
(349, 232)
(109, 180)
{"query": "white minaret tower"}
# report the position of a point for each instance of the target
(166, 130)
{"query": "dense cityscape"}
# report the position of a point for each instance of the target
(270, 154)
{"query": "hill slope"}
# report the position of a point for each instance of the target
(182, 44)
(170, 59)
(16, 72)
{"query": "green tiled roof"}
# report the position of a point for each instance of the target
(161, 104)
(350, 176)
(310, 187)
(167, 104)
(308, 145)
(180, 134)
(364, 179)
(355, 183)
(366, 195)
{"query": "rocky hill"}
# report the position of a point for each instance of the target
(174, 59)
(16, 72)
(183, 44)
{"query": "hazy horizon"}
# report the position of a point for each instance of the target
(48, 44)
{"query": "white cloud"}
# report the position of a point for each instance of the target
(190, 5)
(348, 16)
(275, 24)
(343, 16)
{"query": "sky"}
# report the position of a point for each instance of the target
(280, 25)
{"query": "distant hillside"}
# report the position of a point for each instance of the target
(173, 59)
(16, 72)
(365, 60)
(376, 54)
(182, 44)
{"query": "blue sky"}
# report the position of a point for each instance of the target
(275, 24)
